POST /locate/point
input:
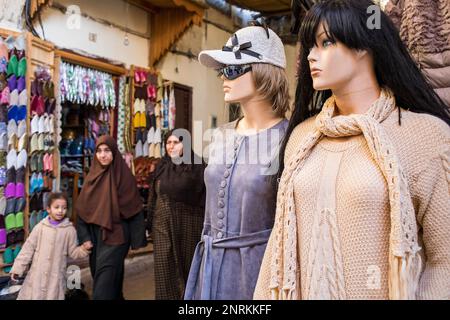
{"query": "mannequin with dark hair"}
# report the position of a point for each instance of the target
(363, 201)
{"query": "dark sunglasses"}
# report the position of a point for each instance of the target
(234, 71)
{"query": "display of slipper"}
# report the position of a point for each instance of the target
(10, 238)
(10, 206)
(40, 162)
(23, 98)
(12, 113)
(11, 175)
(16, 251)
(3, 141)
(5, 96)
(3, 65)
(41, 142)
(2, 176)
(21, 84)
(23, 142)
(40, 182)
(2, 238)
(12, 83)
(22, 158)
(2, 205)
(20, 175)
(20, 190)
(41, 124)
(19, 220)
(12, 65)
(50, 105)
(50, 159)
(10, 222)
(20, 204)
(11, 159)
(22, 67)
(34, 124)
(21, 113)
(8, 259)
(33, 220)
(34, 143)
(33, 183)
(34, 105)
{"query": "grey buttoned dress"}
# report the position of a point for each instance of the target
(239, 213)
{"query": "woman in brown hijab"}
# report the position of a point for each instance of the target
(110, 215)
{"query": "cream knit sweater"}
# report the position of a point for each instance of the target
(344, 253)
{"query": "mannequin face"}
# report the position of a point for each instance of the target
(104, 155)
(332, 65)
(174, 147)
(240, 89)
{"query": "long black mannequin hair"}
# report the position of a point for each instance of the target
(346, 21)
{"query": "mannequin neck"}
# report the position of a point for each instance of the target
(357, 96)
(258, 115)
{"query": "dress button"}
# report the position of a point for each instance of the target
(226, 174)
(221, 193)
(220, 214)
(219, 235)
(221, 204)
(220, 224)
(223, 184)
(229, 165)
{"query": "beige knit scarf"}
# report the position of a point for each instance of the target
(404, 260)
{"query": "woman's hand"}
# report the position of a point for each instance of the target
(88, 245)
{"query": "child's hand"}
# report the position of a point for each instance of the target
(14, 277)
(87, 245)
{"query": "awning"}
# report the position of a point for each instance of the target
(169, 19)
(263, 6)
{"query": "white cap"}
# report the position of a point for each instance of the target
(248, 45)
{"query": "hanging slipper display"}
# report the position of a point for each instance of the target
(86, 86)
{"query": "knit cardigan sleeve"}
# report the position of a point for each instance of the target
(432, 195)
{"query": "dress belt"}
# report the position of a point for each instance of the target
(236, 242)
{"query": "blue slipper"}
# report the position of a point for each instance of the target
(33, 220)
(12, 113)
(21, 113)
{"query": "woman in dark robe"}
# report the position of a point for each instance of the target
(176, 204)
(110, 215)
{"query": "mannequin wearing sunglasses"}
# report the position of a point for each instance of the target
(239, 87)
(239, 178)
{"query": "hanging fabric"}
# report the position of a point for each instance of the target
(172, 108)
(86, 86)
(121, 122)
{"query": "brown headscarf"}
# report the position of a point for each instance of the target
(109, 195)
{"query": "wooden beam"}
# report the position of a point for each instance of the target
(144, 5)
(6, 33)
(90, 62)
